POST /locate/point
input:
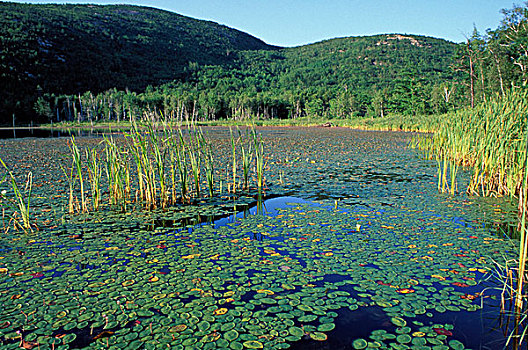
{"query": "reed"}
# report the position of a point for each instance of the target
(162, 163)
(488, 138)
(94, 177)
(247, 157)
(22, 200)
(78, 164)
(70, 177)
(259, 158)
(209, 166)
(523, 247)
(158, 156)
(135, 149)
(172, 141)
(115, 171)
(182, 166)
(234, 143)
(492, 139)
(194, 154)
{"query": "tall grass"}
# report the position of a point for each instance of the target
(259, 158)
(94, 177)
(234, 143)
(78, 164)
(164, 164)
(116, 172)
(492, 139)
(247, 157)
(22, 199)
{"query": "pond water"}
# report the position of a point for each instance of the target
(350, 246)
(21, 133)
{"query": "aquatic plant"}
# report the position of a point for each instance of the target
(71, 179)
(182, 165)
(247, 157)
(78, 164)
(194, 153)
(259, 158)
(158, 154)
(234, 143)
(94, 176)
(523, 246)
(209, 165)
(492, 139)
(22, 200)
(115, 169)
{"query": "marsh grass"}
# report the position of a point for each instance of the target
(162, 162)
(247, 157)
(78, 165)
(116, 172)
(259, 158)
(492, 139)
(234, 143)
(21, 203)
(94, 177)
(71, 179)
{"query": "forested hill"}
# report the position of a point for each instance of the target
(75, 48)
(50, 51)
(352, 76)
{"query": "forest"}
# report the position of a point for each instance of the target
(102, 63)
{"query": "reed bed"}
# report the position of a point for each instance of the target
(157, 164)
(21, 203)
(492, 139)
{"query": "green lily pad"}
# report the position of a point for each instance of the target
(359, 344)
(326, 327)
(231, 335)
(307, 318)
(398, 321)
(253, 344)
(296, 331)
(318, 336)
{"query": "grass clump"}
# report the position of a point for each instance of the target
(492, 139)
(21, 202)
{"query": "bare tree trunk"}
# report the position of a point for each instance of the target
(471, 76)
(498, 71)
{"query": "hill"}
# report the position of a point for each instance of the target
(55, 54)
(67, 49)
(345, 77)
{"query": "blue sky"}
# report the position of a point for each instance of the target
(299, 22)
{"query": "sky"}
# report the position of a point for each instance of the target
(300, 22)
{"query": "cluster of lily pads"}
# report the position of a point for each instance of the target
(258, 282)
(378, 240)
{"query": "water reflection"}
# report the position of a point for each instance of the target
(19, 133)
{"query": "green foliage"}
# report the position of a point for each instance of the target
(101, 63)
(493, 62)
(401, 75)
(70, 49)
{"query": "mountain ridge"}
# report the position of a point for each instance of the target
(69, 49)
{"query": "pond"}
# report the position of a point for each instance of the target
(350, 246)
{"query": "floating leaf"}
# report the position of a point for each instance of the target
(359, 344)
(253, 344)
(398, 321)
(318, 336)
(178, 328)
(326, 327)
